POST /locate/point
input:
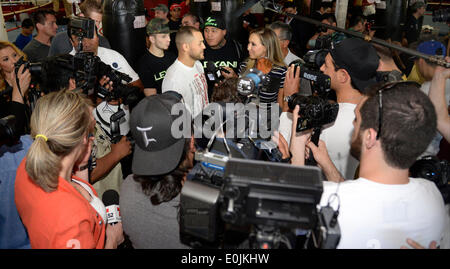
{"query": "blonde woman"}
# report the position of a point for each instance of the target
(11, 99)
(57, 205)
(264, 54)
(9, 55)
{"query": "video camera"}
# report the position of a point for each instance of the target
(258, 205)
(315, 112)
(8, 134)
(435, 170)
(81, 27)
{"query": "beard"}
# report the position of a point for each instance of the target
(197, 56)
(356, 145)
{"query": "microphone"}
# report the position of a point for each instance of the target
(212, 72)
(111, 201)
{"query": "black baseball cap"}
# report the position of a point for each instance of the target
(156, 151)
(215, 21)
(359, 58)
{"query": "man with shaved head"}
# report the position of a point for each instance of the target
(186, 75)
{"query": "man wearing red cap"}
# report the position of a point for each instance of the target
(175, 16)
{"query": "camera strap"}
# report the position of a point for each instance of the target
(103, 122)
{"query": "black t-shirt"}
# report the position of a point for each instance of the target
(301, 33)
(229, 55)
(174, 25)
(152, 69)
(412, 29)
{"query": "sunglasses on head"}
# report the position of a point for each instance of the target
(387, 87)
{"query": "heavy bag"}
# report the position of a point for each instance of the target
(124, 27)
(228, 10)
(200, 9)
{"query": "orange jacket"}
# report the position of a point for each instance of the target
(59, 219)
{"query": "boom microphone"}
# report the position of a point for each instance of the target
(111, 200)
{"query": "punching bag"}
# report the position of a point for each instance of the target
(124, 27)
(392, 17)
(228, 9)
(200, 9)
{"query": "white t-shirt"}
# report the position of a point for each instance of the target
(290, 57)
(103, 113)
(190, 82)
(95, 202)
(337, 137)
(374, 215)
(433, 147)
(285, 127)
(116, 61)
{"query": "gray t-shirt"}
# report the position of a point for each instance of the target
(36, 51)
(61, 44)
(148, 226)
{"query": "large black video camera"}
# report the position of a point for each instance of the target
(258, 205)
(94, 68)
(315, 112)
(433, 169)
(8, 134)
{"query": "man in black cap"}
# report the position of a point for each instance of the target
(352, 66)
(149, 198)
(222, 51)
(153, 64)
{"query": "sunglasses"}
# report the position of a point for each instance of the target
(387, 87)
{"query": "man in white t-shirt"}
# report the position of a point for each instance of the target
(104, 110)
(186, 75)
(352, 66)
(108, 56)
(384, 207)
(428, 71)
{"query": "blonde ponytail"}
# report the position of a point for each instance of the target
(59, 123)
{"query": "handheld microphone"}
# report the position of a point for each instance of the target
(111, 200)
(212, 72)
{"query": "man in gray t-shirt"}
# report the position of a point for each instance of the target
(45, 24)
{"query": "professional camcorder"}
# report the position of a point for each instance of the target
(315, 112)
(317, 109)
(433, 169)
(258, 205)
(86, 68)
(81, 27)
(8, 134)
